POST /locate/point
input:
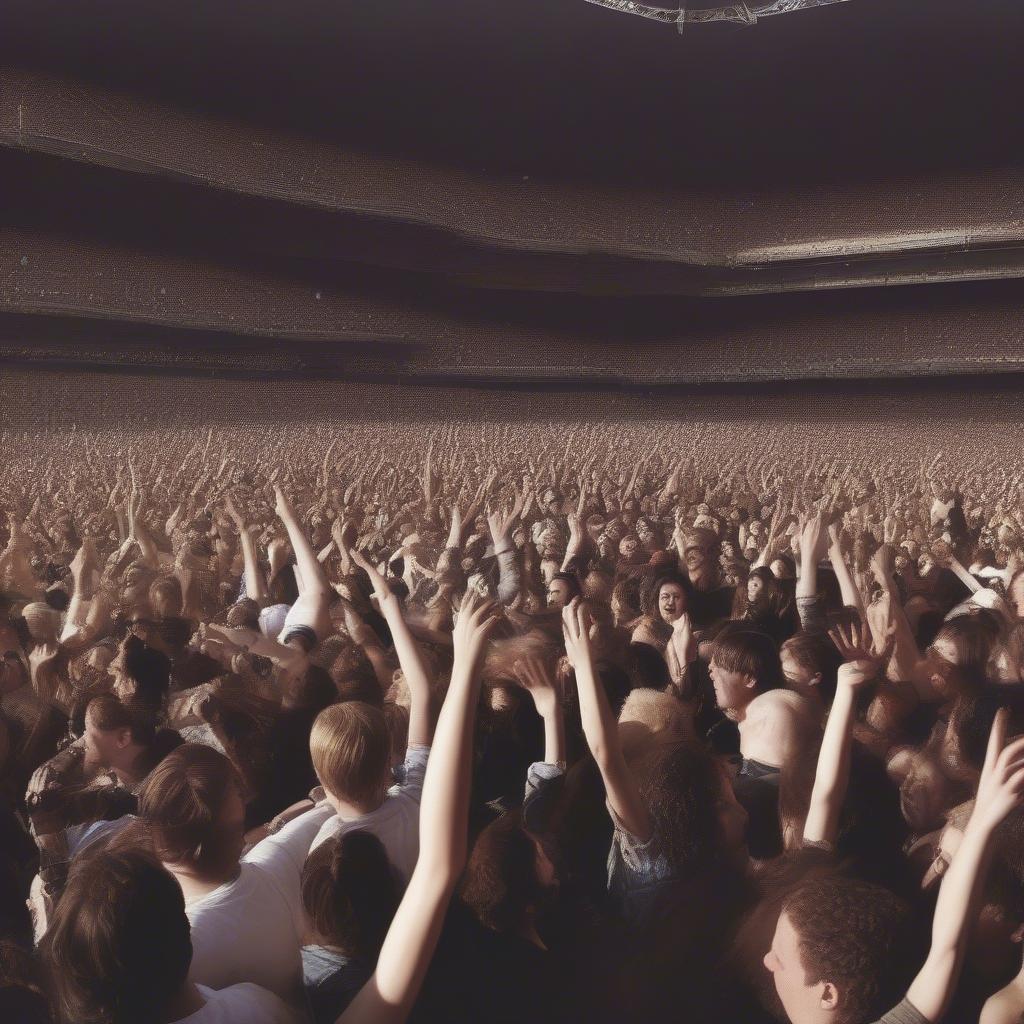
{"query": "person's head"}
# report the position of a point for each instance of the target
(14, 672)
(839, 951)
(351, 751)
(594, 527)
(116, 735)
(562, 588)
(666, 596)
(760, 585)
(507, 876)
(700, 554)
(645, 531)
(193, 807)
(694, 812)
(353, 675)
(43, 622)
(810, 664)
(957, 658)
(744, 663)
(244, 614)
(629, 547)
(650, 718)
(994, 952)
(118, 948)
(22, 986)
(350, 894)
(962, 751)
(597, 587)
(625, 603)
(141, 674)
(783, 568)
(672, 600)
(282, 587)
(165, 597)
(551, 501)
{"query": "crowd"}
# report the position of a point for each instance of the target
(456, 733)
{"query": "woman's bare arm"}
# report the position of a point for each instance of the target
(412, 938)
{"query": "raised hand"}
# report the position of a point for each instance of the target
(475, 622)
(535, 675)
(1001, 788)
(282, 506)
(813, 539)
(501, 525)
(576, 632)
(381, 588)
(860, 663)
(233, 514)
(882, 564)
(683, 638)
(85, 559)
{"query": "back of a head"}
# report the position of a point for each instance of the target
(109, 713)
(151, 671)
(165, 596)
(649, 718)
(182, 802)
(44, 622)
(973, 637)
(682, 790)
(857, 936)
(244, 614)
(118, 948)
(282, 586)
(970, 722)
(500, 884)
(350, 894)
(816, 655)
(351, 749)
(648, 668)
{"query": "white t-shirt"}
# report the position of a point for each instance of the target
(241, 1004)
(396, 823)
(252, 928)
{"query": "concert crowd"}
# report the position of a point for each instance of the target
(556, 732)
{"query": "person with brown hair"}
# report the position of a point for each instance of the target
(828, 956)
(246, 915)
(119, 952)
(350, 895)
(96, 778)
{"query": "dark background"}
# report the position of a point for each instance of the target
(543, 196)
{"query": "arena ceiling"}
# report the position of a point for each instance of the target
(546, 192)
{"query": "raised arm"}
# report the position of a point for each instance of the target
(311, 608)
(1000, 791)
(905, 652)
(412, 938)
(600, 727)
(252, 641)
(847, 587)
(535, 676)
(833, 772)
(255, 583)
(410, 657)
(509, 572)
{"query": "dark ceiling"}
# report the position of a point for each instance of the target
(526, 191)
